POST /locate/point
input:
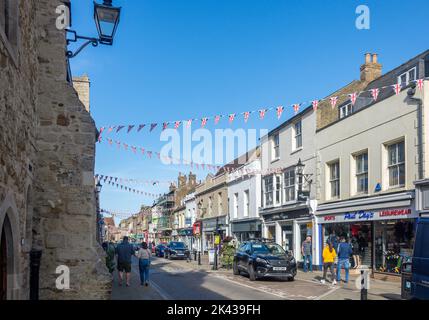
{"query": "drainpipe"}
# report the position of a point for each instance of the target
(35, 256)
(411, 93)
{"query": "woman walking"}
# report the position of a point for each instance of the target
(144, 255)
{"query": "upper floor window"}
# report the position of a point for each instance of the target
(298, 135)
(210, 206)
(289, 184)
(396, 164)
(346, 110)
(268, 191)
(405, 78)
(334, 179)
(362, 173)
(219, 202)
(9, 22)
(278, 189)
(276, 146)
(235, 205)
(246, 203)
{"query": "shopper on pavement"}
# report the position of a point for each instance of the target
(144, 255)
(306, 250)
(344, 252)
(125, 251)
(328, 257)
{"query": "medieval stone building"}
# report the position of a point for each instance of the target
(47, 155)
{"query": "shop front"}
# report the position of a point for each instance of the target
(381, 238)
(210, 227)
(289, 229)
(186, 236)
(244, 230)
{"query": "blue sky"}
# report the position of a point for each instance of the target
(180, 59)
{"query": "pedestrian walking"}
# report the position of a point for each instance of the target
(344, 252)
(328, 257)
(306, 250)
(144, 255)
(124, 251)
(355, 248)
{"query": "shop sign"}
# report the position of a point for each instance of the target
(197, 228)
(402, 213)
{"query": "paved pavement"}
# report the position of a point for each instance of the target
(181, 280)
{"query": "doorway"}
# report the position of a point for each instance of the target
(3, 265)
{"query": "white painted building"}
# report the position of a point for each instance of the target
(287, 216)
(244, 194)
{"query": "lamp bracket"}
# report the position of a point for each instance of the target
(89, 40)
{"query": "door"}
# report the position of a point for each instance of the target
(287, 237)
(420, 262)
(3, 266)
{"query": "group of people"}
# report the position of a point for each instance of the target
(124, 252)
(342, 254)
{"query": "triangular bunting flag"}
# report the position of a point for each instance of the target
(334, 101)
(374, 93)
(216, 119)
(315, 104)
(152, 126)
(164, 125)
(246, 116)
(203, 122)
(130, 127)
(353, 98)
(397, 88)
(420, 84)
(188, 124)
(296, 108)
(279, 111)
(177, 124)
(262, 113)
(119, 128)
(231, 117)
(141, 126)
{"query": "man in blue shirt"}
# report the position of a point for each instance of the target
(344, 252)
(125, 251)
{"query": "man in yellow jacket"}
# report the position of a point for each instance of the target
(329, 256)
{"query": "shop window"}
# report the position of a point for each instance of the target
(334, 179)
(268, 191)
(278, 189)
(276, 146)
(361, 173)
(289, 184)
(394, 242)
(297, 135)
(396, 164)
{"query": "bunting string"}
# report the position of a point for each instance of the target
(333, 100)
(134, 181)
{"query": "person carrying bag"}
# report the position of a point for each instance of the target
(144, 255)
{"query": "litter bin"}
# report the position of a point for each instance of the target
(406, 281)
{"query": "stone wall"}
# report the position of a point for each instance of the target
(18, 96)
(65, 203)
(82, 86)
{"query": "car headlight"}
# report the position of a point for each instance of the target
(292, 259)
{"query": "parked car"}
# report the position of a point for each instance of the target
(159, 249)
(176, 249)
(261, 259)
(420, 262)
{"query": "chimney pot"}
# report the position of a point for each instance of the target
(374, 58)
(367, 58)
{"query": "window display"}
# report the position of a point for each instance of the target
(394, 241)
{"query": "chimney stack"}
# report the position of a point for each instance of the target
(371, 70)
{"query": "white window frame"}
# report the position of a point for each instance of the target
(360, 174)
(297, 135)
(276, 146)
(287, 186)
(267, 193)
(396, 166)
(336, 180)
(246, 207)
(235, 204)
(277, 186)
(346, 110)
(407, 76)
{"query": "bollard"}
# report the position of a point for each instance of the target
(199, 258)
(195, 255)
(363, 290)
(35, 256)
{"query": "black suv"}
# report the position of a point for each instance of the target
(261, 259)
(176, 249)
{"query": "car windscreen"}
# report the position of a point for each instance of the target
(260, 248)
(275, 249)
(177, 245)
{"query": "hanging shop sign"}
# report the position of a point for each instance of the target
(197, 228)
(186, 232)
(364, 215)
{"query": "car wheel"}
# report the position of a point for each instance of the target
(252, 274)
(235, 268)
(291, 278)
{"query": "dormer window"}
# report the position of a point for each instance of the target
(346, 110)
(405, 78)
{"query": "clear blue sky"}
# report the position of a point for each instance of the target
(179, 59)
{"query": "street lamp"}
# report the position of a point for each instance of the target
(98, 187)
(106, 19)
(302, 195)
